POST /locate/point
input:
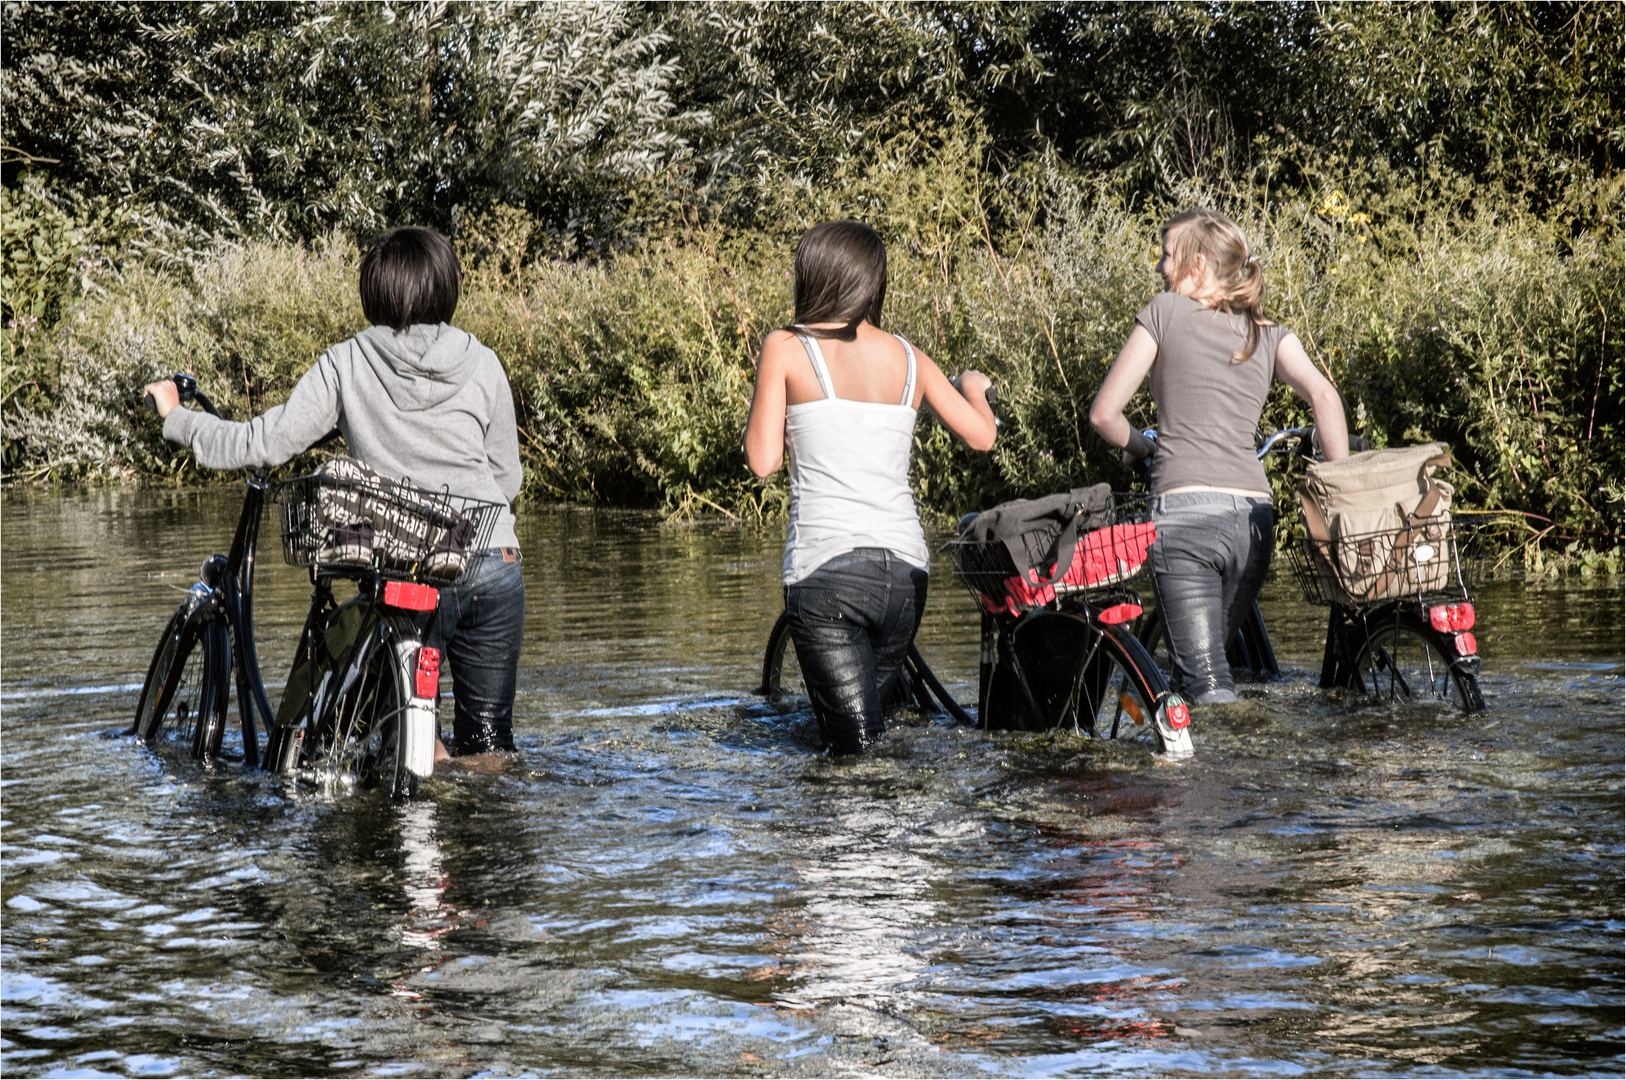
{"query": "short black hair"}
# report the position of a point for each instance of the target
(410, 275)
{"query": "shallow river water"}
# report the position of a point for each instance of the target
(673, 881)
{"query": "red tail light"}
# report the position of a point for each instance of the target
(1449, 617)
(410, 597)
(1179, 715)
(1466, 645)
(426, 676)
(1120, 613)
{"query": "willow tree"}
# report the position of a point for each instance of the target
(290, 119)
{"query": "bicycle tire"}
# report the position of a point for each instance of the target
(1120, 689)
(357, 738)
(1060, 669)
(184, 697)
(781, 672)
(1402, 659)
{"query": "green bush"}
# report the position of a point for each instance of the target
(1494, 329)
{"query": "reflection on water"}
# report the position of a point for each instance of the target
(673, 881)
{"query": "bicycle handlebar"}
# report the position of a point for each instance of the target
(1309, 442)
(187, 388)
(1305, 440)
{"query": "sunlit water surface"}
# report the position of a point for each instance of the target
(675, 881)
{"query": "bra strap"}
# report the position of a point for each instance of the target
(815, 356)
(909, 382)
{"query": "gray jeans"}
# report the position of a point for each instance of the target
(1211, 557)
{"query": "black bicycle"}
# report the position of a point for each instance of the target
(360, 704)
(1062, 653)
(1412, 645)
(1111, 689)
(918, 687)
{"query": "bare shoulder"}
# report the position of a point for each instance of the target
(779, 346)
(892, 345)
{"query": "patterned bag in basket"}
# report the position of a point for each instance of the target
(365, 515)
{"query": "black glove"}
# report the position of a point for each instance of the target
(1139, 448)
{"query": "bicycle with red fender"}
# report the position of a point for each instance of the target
(1414, 643)
(360, 704)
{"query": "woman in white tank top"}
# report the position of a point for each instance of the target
(838, 396)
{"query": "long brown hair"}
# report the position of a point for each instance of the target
(840, 277)
(1238, 278)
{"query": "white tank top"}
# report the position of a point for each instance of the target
(849, 475)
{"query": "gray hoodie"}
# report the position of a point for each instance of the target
(428, 404)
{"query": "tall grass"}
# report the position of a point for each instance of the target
(1498, 332)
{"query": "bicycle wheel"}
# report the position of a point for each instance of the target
(360, 730)
(1119, 689)
(356, 739)
(1402, 659)
(781, 673)
(184, 698)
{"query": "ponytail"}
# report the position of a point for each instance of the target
(1239, 280)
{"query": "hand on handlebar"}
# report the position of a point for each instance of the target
(1139, 451)
(990, 393)
(161, 396)
(1310, 446)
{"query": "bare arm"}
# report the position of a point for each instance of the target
(1128, 371)
(765, 428)
(1295, 368)
(964, 411)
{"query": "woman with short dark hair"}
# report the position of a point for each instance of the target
(840, 396)
(418, 400)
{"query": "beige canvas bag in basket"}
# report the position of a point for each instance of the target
(1380, 523)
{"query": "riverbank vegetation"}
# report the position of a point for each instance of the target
(1445, 236)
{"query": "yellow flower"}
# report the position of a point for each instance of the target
(1334, 205)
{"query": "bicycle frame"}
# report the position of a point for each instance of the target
(230, 585)
(238, 601)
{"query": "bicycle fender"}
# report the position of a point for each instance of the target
(419, 722)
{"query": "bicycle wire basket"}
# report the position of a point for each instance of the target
(355, 525)
(1439, 557)
(1106, 556)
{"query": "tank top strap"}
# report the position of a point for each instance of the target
(815, 356)
(909, 380)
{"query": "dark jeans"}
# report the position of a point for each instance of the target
(1211, 557)
(478, 629)
(852, 620)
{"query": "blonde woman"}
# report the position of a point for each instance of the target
(1212, 356)
(839, 396)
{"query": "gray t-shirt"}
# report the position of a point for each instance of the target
(1207, 405)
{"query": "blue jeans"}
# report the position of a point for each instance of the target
(478, 628)
(1211, 557)
(852, 620)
